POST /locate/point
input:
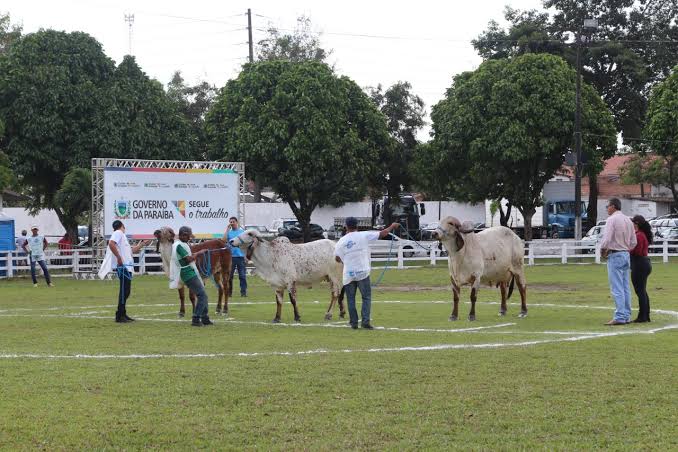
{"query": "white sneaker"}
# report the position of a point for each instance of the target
(50, 285)
(35, 285)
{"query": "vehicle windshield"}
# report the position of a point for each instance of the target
(404, 207)
(568, 206)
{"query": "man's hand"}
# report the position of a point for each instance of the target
(119, 259)
(394, 225)
(603, 253)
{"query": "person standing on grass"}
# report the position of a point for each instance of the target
(353, 250)
(641, 267)
(35, 246)
(19, 244)
(122, 264)
(618, 240)
(184, 270)
(237, 258)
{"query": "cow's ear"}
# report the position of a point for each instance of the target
(459, 239)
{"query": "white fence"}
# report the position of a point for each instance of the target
(399, 255)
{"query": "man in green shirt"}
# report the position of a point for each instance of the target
(182, 256)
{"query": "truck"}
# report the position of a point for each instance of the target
(555, 219)
(386, 210)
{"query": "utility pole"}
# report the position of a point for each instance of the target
(129, 18)
(249, 32)
(589, 25)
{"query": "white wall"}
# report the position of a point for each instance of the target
(266, 213)
(47, 221)
(631, 207)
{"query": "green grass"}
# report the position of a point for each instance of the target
(615, 392)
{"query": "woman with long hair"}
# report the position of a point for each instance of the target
(641, 267)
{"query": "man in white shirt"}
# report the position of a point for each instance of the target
(353, 250)
(123, 264)
(19, 244)
(35, 247)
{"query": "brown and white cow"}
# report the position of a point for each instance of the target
(285, 266)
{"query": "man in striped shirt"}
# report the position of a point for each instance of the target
(618, 240)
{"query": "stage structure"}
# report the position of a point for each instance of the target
(148, 194)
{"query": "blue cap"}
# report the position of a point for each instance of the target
(351, 222)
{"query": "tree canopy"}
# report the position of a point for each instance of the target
(661, 131)
(312, 136)
(302, 44)
(502, 130)
(404, 113)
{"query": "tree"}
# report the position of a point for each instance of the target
(73, 200)
(311, 135)
(404, 113)
(303, 44)
(193, 102)
(661, 131)
(644, 168)
(9, 34)
(502, 130)
(53, 98)
(623, 60)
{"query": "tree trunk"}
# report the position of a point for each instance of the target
(672, 181)
(504, 218)
(256, 190)
(592, 209)
(527, 216)
(70, 225)
(303, 215)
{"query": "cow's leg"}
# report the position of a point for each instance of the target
(455, 297)
(191, 296)
(502, 289)
(182, 302)
(522, 287)
(340, 300)
(474, 295)
(224, 271)
(279, 296)
(333, 300)
(293, 300)
(215, 277)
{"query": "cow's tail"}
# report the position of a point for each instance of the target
(513, 279)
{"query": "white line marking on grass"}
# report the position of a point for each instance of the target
(438, 347)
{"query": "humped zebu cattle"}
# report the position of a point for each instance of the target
(493, 256)
(215, 264)
(285, 266)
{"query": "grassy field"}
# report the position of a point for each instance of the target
(557, 380)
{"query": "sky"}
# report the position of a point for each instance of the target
(380, 42)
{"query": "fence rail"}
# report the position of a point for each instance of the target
(402, 255)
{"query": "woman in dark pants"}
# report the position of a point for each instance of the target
(641, 267)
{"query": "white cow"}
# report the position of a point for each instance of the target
(493, 256)
(285, 265)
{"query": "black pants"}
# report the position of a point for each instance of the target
(641, 267)
(125, 278)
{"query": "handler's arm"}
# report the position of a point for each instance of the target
(384, 232)
(115, 250)
(136, 248)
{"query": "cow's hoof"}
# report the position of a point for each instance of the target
(502, 313)
(522, 314)
(275, 321)
(453, 318)
(328, 316)
(218, 311)
(181, 314)
(471, 317)
(298, 319)
(224, 314)
(342, 315)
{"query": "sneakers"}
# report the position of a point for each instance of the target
(367, 326)
(50, 285)
(120, 318)
(207, 322)
(243, 295)
(354, 325)
(129, 319)
(35, 285)
(196, 322)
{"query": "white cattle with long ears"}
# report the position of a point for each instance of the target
(493, 256)
(284, 266)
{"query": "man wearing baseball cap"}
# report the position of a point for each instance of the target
(35, 246)
(353, 250)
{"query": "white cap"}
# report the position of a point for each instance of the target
(35, 226)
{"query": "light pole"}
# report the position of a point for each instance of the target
(589, 25)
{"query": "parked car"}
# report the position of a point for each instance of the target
(662, 226)
(295, 233)
(593, 236)
(427, 231)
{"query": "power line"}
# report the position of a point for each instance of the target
(192, 19)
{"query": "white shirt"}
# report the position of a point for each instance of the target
(124, 248)
(35, 245)
(354, 251)
(19, 242)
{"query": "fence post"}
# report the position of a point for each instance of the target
(142, 262)
(563, 253)
(401, 263)
(665, 252)
(530, 254)
(597, 251)
(10, 264)
(433, 255)
(75, 261)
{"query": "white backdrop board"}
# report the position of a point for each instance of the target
(145, 199)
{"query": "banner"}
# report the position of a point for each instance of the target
(145, 199)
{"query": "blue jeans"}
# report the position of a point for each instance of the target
(366, 292)
(195, 285)
(43, 265)
(125, 278)
(239, 264)
(618, 266)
